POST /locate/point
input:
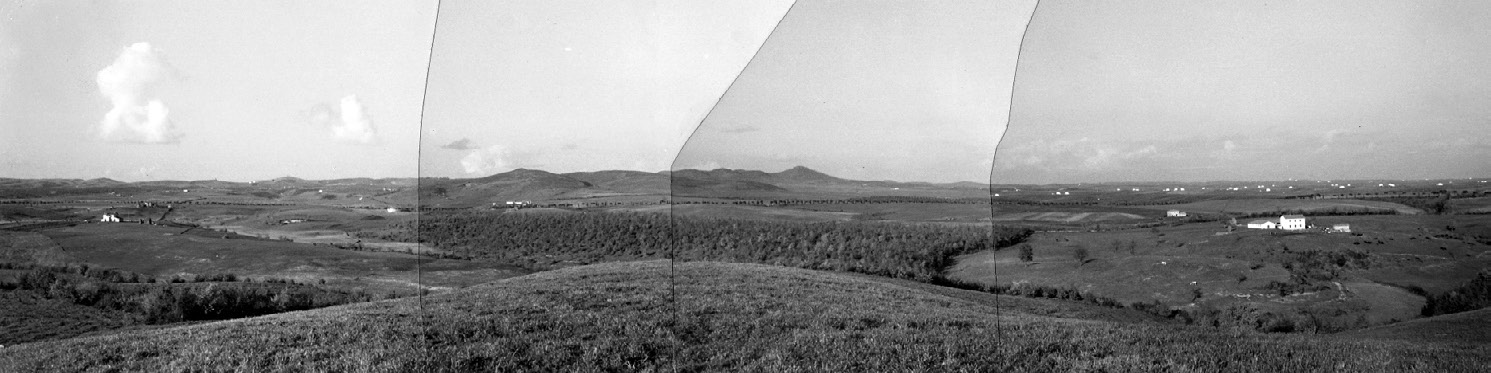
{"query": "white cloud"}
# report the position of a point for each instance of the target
(136, 116)
(490, 160)
(354, 125)
(349, 121)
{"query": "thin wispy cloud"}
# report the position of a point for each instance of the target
(462, 144)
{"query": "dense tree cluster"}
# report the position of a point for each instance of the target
(919, 252)
(177, 299)
(1473, 295)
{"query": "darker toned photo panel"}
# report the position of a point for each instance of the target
(743, 185)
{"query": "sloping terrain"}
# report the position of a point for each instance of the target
(1472, 328)
(730, 317)
(625, 181)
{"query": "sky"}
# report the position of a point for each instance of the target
(583, 85)
(1251, 90)
(911, 91)
(198, 90)
(898, 90)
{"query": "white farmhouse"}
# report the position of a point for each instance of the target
(109, 218)
(1292, 222)
(1175, 213)
(1288, 222)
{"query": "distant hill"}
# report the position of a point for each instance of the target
(539, 185)
(729, 317)
(625, 181)
(515, 185)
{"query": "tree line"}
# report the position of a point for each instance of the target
(160, 301)
(909, 251)
(1473, 295)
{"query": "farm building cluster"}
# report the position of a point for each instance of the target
(1294, 223)
(1285, 222)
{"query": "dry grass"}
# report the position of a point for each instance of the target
(732, 317)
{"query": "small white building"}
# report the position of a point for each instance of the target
(1263, 224)
(109, 218)
(1342, 228)
(1175, 213)
(392, 209)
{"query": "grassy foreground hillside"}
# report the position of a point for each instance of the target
(731, 317)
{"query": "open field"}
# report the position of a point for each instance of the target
(166, 251)
(741, 212)
(1190, 266)
(1468, 329)
(1248, 206)
(1479, 205)
(896, 307)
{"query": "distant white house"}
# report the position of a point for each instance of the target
(1175, 213)
(109, 218)
(1288, 222)
(1263, 224)
(392, 209)
(1343, 228)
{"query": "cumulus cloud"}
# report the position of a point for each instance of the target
(137, 115)
(349, 122)
(490, 160)
(462, 144)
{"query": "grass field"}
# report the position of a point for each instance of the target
(25, 316)
(732, 317)
(1191, 266)
(1480, 205)
(1271, 205)
(166, 251)
(742, 212)
(1467, 329)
